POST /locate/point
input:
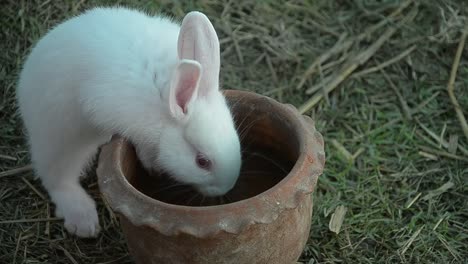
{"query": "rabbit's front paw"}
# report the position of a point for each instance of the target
(81, 218)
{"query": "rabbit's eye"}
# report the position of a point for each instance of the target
(203, 162)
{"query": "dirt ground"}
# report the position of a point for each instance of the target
(373, 74)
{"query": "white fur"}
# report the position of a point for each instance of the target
(118, 71)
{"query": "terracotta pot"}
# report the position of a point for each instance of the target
(269, 215)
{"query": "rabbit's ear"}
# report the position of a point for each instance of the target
(198, 41)
(184, 87)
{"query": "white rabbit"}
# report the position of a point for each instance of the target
(119, 71)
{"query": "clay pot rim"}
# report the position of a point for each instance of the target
(310, 160)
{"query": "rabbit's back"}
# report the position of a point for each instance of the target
(114, 53)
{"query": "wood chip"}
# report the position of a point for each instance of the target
(453, 144)
(411, 240)
(337, 218)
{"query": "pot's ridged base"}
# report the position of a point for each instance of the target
(259, 243)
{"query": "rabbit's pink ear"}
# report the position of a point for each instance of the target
(198, 41)
(184, 86)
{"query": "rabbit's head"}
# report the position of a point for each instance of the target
(199, 144)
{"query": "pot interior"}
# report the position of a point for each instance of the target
(270, 148)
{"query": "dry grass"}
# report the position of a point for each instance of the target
(396, 167)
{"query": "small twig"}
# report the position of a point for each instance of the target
(259, 58)
(411, 240)
(378, 129)
(329, 66)
(405, 173)
(325, 94)
(249, 24)
(428, 155)
(272, 69)
(270, 49)
(7, 157)
(33, 188)
(323, 28)
(386, 63)
(451, 86)
(442, 134)
(424, 103)
(275, 90)
(426, 139)
(413, 200)
(442, 189)
(117, 260)
(354, 63)
(237, 47)
(396, 120)
(111, 213)
(357, 153)
(16, 171)
(347, 70)
(227, 8)
(69, 256)
(384, 21)
(443, 153)
(440, 221)
(227, 40)
(440, 140)
(339, 45)
(47, 228)
(17, 246)
(452, 251)
(404, 105)
(341, 149)
(33, 220)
